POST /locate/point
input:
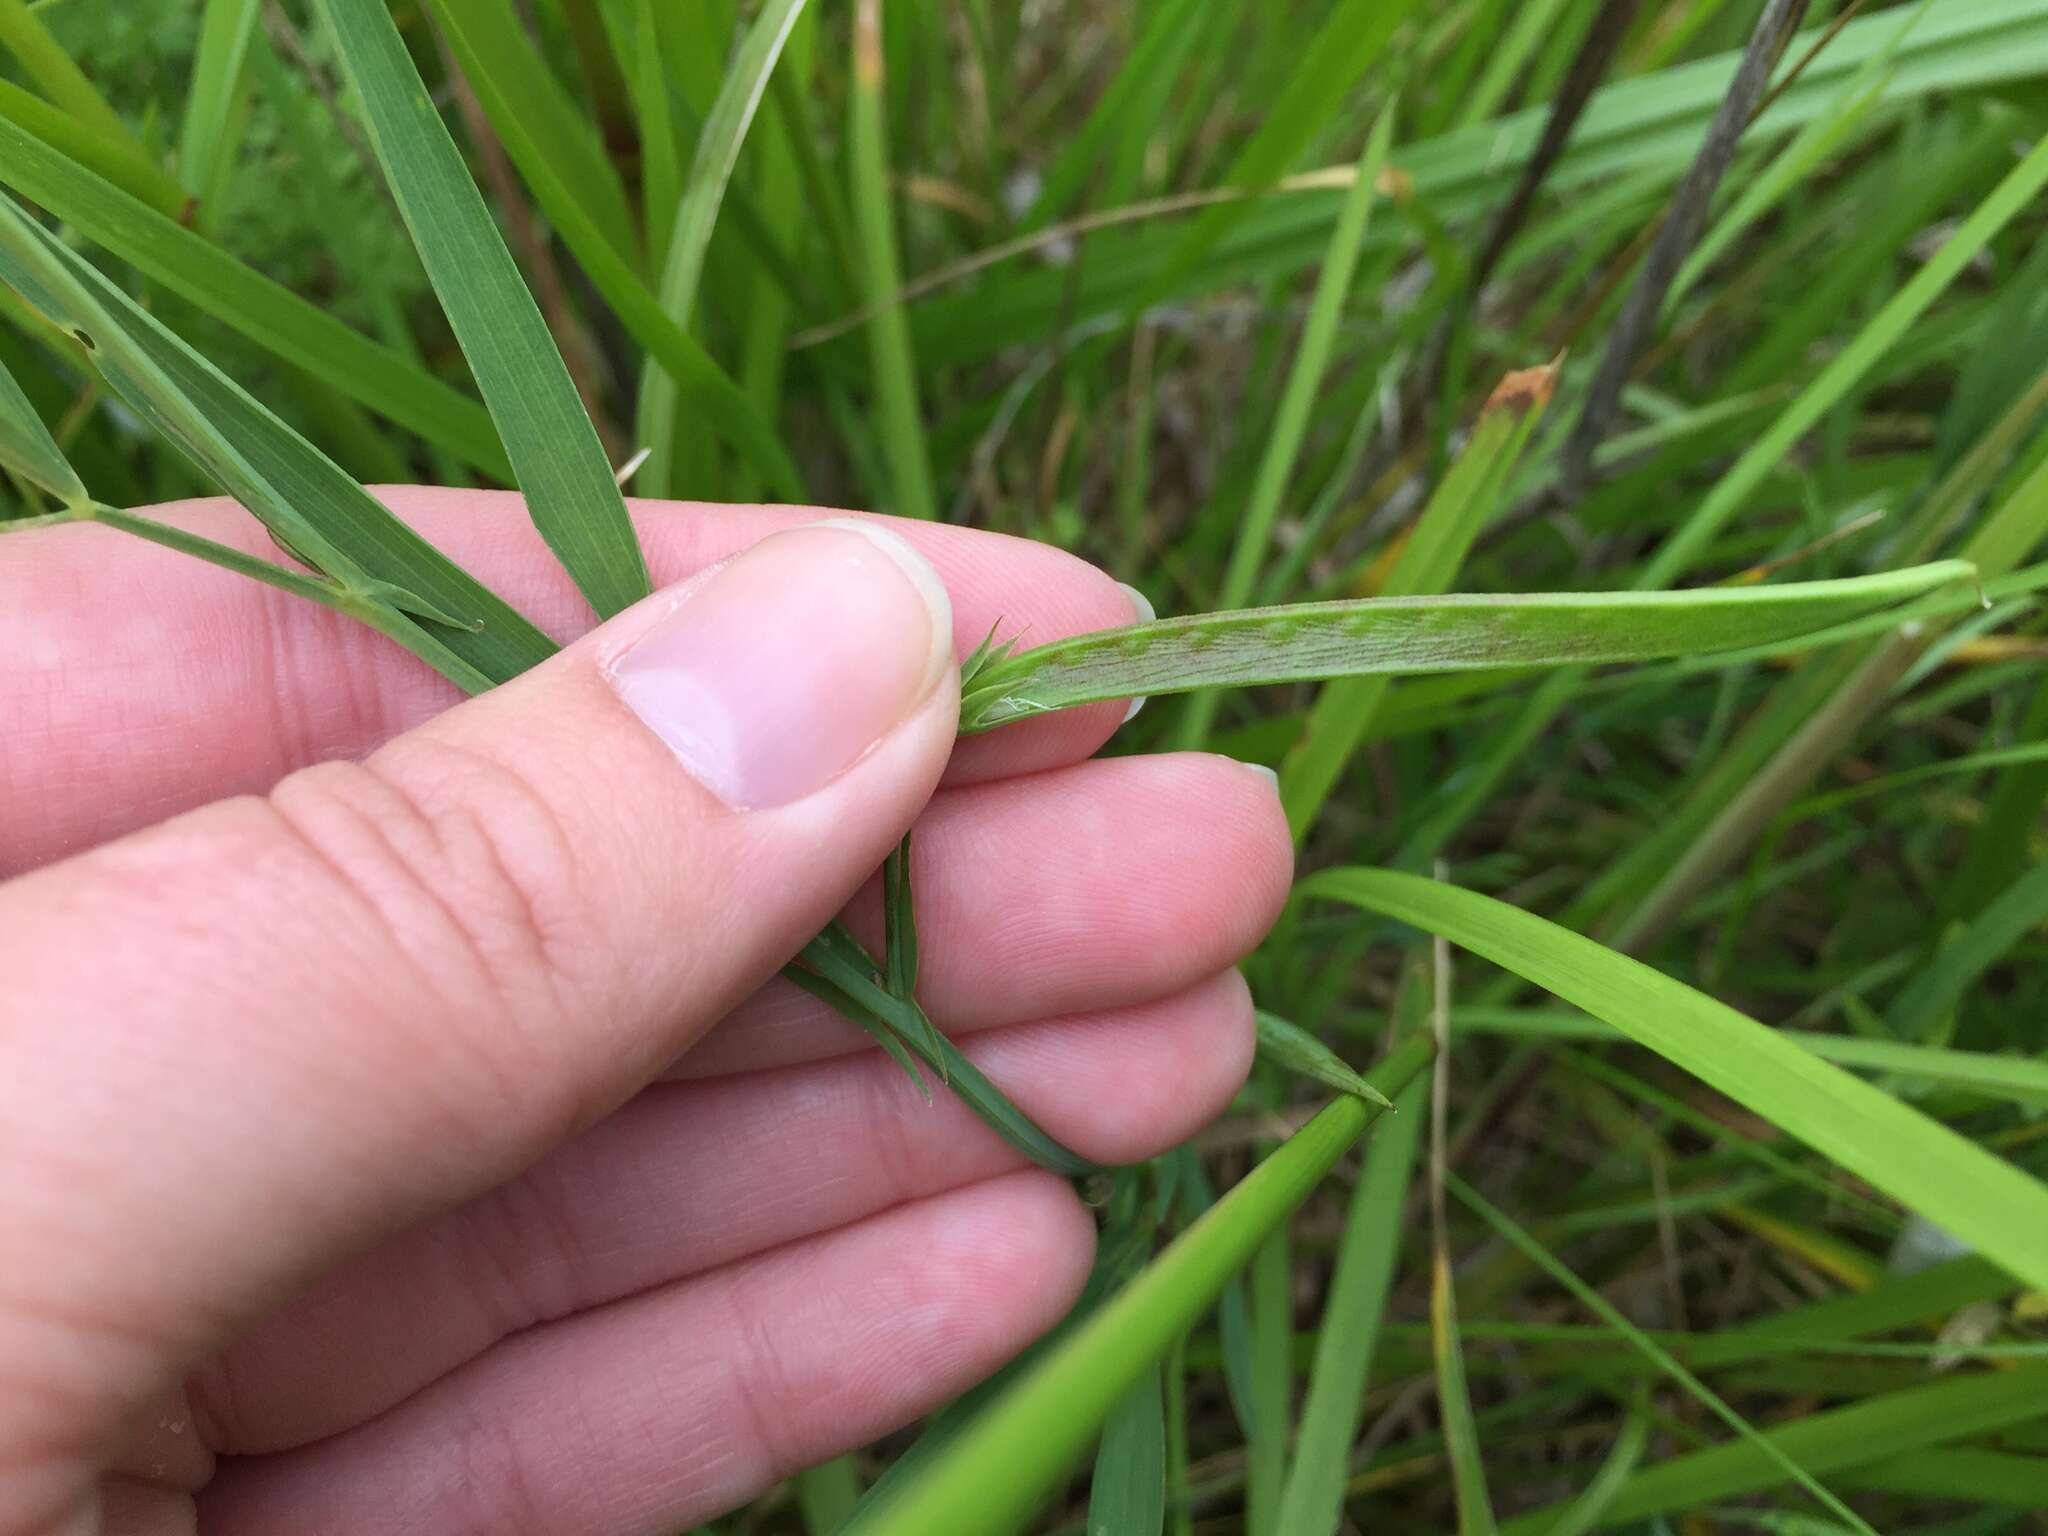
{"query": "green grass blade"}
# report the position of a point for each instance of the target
(2019, 1079)
(827, 1494)
(2016, 912)
(1312, 1503)
(672, 353)
(986, 1482)
(837, 960)
(1310, 641)
(718, 151)
(1128, 1494)
(44, 61)
(1330, 64)
(28, 450)
(1293, 1049)
(1461, 506)
(300, 495)
(1732, 491)
(1454, 1404)
(1298, 399)
(1861, 1434)
(216, 106)
(542, 129)
(1589, 1509)
(894, 371)
(556, 457)
(270, 315)
(1270, 1285)
(1924, 1165)
(134, 174)
(1662, 1358)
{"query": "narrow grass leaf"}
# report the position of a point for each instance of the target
(1458, 510)
(986, 1482)
(246, 301)
(57, 76)
(704, 192)
(1662, 1358)
(1924, 1165)
(1861, 1434)
(1454, 1404)
(556, 456)
(2016, 912)
(135, 174)
(300, 495)
(893, 369)
(1270, 1286)
(674, 357)
(836, 959)
(1458, 633)
(2018, 1079)
(216, 107)
(1128, 1494)
(1589, 1509)
(1293, 1049)
(1298, 399)
(28, 450)
(1312, 1504)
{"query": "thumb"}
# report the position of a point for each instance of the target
(255, 1038)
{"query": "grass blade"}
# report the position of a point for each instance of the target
(1404, 635)
(1294, 1049)
(28, 450)
(1609, 1314)
(1298, 399)
(836, 959)
(1463, 503)
(910, 491)
(2016, 912)
(44, 61)
(216, 106)
(1128, 1495)
(541, 127)
(1589, 1509)
(1919, 1162)
(134, 174)
(300, 495)
(556, 456)
(1312, 1503)
(1861, 1434)
(986, 1481)
(718, 151)
(270, 315)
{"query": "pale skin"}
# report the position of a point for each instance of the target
(403, 1126)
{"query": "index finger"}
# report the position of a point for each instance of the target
(142, 683)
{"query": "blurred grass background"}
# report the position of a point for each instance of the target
(1109, 220)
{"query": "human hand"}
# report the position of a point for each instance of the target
(357, 1177)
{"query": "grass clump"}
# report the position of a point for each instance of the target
(1687, 687)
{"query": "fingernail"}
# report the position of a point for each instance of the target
(1142, 612)
(1270, 775)
(774, 673)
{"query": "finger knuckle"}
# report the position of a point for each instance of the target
(464, 874)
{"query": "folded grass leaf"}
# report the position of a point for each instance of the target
(1293, 1048)
(556, 456)
(1422, 634)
